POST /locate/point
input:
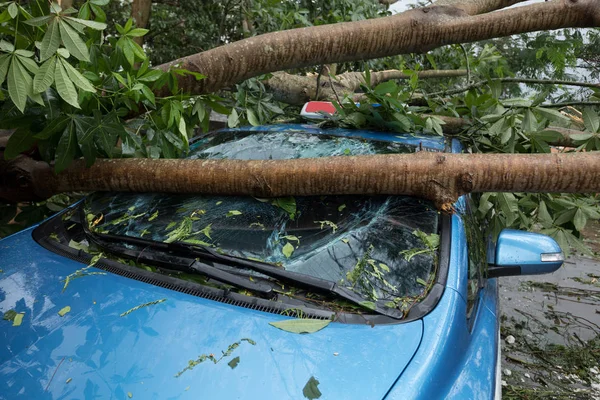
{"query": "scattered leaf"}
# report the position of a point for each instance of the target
(421, 281)
(234, 363)
(18, 319)
(129, 394)
(64, 311)
(345, 240)
(301, 325)
(287, 250)
(69, 380)
(9, 315)
(141, 306)
(311, 390)
(368, 304)
(330, 224)
(340, 208)
(231, 213)
(153, 216)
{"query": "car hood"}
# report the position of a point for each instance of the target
(95, 351)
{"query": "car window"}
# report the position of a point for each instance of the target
(383, 247)
(477, 255)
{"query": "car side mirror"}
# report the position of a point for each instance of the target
(525, 253)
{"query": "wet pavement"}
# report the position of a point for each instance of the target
(551, 330)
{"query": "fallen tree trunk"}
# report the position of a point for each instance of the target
(413, 31)
(439, 177)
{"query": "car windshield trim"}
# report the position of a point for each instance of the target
(200, 252)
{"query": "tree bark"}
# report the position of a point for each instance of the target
(439, 177)
(297, 89)
(413, 31)
(140, 12)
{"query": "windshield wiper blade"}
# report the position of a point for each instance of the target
(292, 278)
(148, 254)
(289, 277)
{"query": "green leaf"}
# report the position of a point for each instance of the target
(369, 304)
(64, 53)
(85, 127)
(231, 213)
(90, 24)
(65, 151)
(17, 84)
(386, 87)
(420, 281)
(6, 46)
(233, 119)
(13, 10)
(63, 311)
(4, 64)
(45, 76)
(18, 319)
(54, 126)
(311, 390)
(20, 141)
(288, 204)
(591, 119)
(509, 206)
(100, 2)
(137, 32)
(550, 114)
(234, 363)
(64, 86)
(529, 123)
(51, 41)
(9, 315)
(516, 102)
(287, 250)
(301, 325)
(579, 220)
(252, 117)
(73, 42)
(206, 231)
(79, 80)
(148, 94)
(543, 215)
(151, 76)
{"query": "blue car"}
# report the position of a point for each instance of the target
(156, 296)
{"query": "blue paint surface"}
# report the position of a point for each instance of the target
(107, 356)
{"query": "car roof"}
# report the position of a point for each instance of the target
(427, 142)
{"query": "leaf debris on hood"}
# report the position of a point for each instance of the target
(233, 363)
(311, 390)
(301, 325)
(64, 311)
(141, 306)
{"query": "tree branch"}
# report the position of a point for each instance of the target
(295, 89)
(413, 31)
(515, 80)
(438, 177)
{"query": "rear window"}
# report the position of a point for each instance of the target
(382, 247)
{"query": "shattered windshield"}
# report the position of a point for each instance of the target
(382, 247)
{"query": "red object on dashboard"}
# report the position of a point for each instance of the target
(319, 107)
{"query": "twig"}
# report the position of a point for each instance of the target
(467, 61)
(56, 369)
(334, 91)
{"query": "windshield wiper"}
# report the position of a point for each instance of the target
(148, 254)
(292, 278)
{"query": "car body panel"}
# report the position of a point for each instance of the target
(106, 356)
(454, 361)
